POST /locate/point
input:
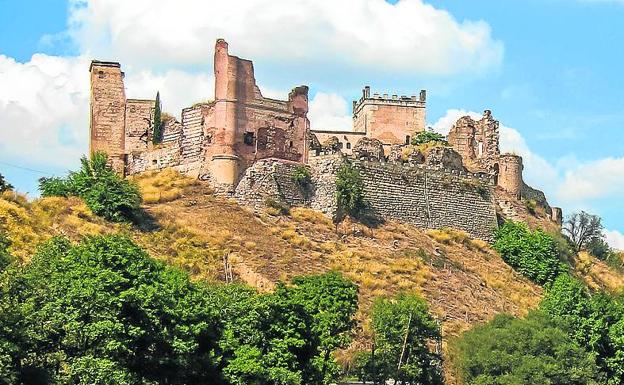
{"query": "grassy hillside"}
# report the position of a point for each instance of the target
(464, 281)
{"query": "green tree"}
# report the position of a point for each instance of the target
(582, 228)
(594, 319)
(403, 331)
(157, 134)
(427, 137)
(4, 185)
(533, 254)
(332, 301)
(104, 191)
(286, 337)
(510, 351)
(103, 312)
(349, 190)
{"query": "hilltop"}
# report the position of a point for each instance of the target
(185, 224)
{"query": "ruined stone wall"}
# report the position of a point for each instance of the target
(155, 159)
(477, 141)
(421, 196)
(172, 131)
(430, 198)
(347, 139)
(108, 111)
(139, 122)
(530, 194)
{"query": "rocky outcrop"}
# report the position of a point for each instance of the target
(444, 158)
(368, 148)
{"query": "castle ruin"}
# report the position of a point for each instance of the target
(247, 146)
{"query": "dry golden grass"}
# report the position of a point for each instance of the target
(162, 186)
(597, 274)
(28, 223)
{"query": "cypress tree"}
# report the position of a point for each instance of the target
(157, 129)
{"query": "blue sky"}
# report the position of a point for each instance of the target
(549, 70)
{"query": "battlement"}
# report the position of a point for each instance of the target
(390, 100)
(100, 63)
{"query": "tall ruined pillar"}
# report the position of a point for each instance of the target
(224, 167)
(108, 110)
(298, 105)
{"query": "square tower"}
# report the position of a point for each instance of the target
(108, 112)
(392, 120)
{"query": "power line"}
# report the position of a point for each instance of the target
(25, 168)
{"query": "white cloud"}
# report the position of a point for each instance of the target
(178, 89)
(329, 112)
(44, 109)
(407, 36)
(44, 105)
(601, 178)
(615, 239)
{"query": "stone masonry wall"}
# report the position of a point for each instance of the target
(139, 121)
(430, 198)
(425, 197)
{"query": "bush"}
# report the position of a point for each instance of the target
(4, 185)
(424, 137)
(302, 177)
(5, 257)
(535, 350)
(532, 253)
(103, 312)
(106, 193)
(349, 190)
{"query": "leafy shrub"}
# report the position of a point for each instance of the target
(531, 206)
(5, 257)
(599, 248)
(302, 177)
(403, 332)
(349, 190)
(4, 185)
(106, 193)
(531, 253)
(535, 350)
(428, 137)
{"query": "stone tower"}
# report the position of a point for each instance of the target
(510, 174)
(108, 110)
(392, 120)
(224, 166)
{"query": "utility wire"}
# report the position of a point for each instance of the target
(25, 168)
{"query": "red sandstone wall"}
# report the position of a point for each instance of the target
(391, 120)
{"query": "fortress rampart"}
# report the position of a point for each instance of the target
(426, 197)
